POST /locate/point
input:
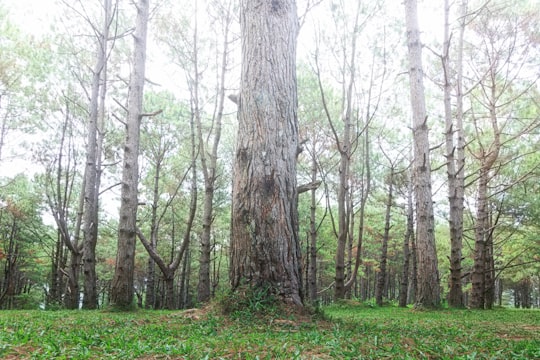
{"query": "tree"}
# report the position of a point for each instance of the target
(455, 155)
(427, 293)
(161, 143)
(408, 249)
(350, 132)
(93, 164)
(209, 155)
(265, 249)
(504, 83)
(22, 233)
(122, 285)
(59, 182)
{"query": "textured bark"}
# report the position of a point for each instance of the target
(428, 292)
(265, 249)
(122, 283)
(482, 245)
(92, 172)
(455, 156)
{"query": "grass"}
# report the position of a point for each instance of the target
(348, 331)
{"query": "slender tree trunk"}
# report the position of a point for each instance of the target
(346, 151)
(409, 236)
(428, 292)
(184, 282)
(209, 169)
(58, 197)
(483, 255)
(7, 291)
(455, 155)
(122, 284)
(154, 227)
(365, 191)
(414, 271)
(489, 298)
(312, 268)
(91, 190)
(379, 290)
(478, 275)
(265, 248)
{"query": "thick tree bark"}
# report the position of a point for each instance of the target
(265, 248)
(122, 284)
(428, 292)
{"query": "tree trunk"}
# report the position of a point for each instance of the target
(379, 290)
(265, 248)
(346, 151)
(489, 298)
(154, 227)
(455, 156)
(409, 235)
(312, 268)
(428, 292)
(483, 255)
(209, 169)
(91, 189)
(122, 284)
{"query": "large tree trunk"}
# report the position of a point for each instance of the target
(428, 292)
(122, 284)
(265, 248)
(92, 172)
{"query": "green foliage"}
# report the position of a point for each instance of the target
(353, 332)
(249, 302)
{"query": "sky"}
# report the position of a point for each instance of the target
(35, 17)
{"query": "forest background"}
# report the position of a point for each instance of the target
(73, 69)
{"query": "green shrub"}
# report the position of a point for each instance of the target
(248, 302)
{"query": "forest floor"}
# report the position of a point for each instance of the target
(348, 330)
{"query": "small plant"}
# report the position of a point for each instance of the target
(248, 302)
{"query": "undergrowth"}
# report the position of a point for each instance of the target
(257, 328)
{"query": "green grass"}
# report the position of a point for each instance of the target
(350, 331)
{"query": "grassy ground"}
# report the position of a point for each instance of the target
(348, 331)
